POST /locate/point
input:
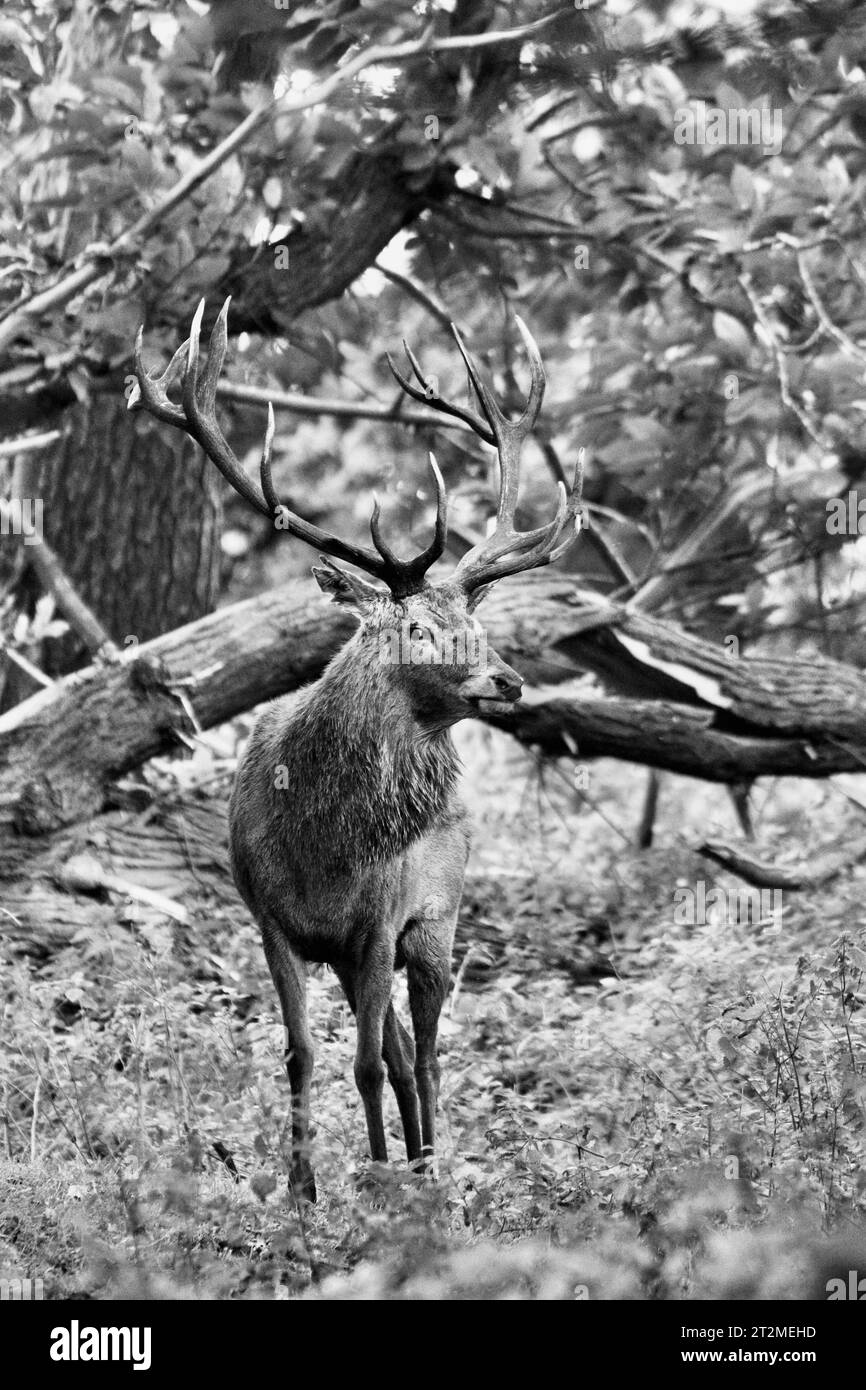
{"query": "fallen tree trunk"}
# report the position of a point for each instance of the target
(179, 855)
(676, 738)
(710, 718)
(61, 749)
(806, 873)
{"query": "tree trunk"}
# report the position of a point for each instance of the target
(60, 750)
(131, 508)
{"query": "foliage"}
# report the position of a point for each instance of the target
(631, 1108)
(700, 305)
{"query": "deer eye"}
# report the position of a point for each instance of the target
(419, 633)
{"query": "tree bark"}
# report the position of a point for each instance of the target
(61, 749)
(335, 245)
(131, 508)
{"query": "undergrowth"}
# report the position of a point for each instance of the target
(630, 1108)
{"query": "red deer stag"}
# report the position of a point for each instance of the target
(348, 840)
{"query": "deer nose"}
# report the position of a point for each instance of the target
(509, 687)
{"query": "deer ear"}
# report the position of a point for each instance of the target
(343, 588)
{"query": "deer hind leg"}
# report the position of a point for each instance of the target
(372, 991)
(428, 964)
(290, 978)
(399, 1053)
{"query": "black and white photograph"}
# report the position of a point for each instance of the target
(433, 667)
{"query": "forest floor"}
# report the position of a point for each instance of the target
(639, 1100)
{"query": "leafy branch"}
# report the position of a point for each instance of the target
(101, 262)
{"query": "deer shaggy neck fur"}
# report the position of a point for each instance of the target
(354, 763)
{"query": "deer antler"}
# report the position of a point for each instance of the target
(505, 551)
(196, 416)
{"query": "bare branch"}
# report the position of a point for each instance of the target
(80, 616)
(419, 294)
(832, 329)
(327, 405)
(28, 443)
(806, 874)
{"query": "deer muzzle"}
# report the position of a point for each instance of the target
(495, 692)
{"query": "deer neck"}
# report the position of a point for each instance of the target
(371, 778)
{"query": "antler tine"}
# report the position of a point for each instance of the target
(575, 505)
(216, 355)
(508, 435)
(436, 548)
(149, 393)
(379, 541)
(428, 396)
(568, 521)
(199, 406)
(440, 531)
(417, 369)
(407, 575)
(268, 489)
(197, 417)
(508, 551)
(488, 404)
(516, 558)
(537, 381)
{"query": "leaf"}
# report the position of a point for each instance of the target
(728, 238)
(743, 186)
(263, 1184)
(749, 1015)
(272, 193)
(647, 429)
(731, 332)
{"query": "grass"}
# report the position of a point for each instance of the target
(631, 1108)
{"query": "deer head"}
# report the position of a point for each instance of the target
(425, 630)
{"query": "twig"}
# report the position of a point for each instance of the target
(7, 1132)
(84, 873)
(326, 405)
(35, 1117)
(100, 264)
(419, 294)
(44, 562)
(29, 443)
(26, 666)
(745, 284)
(60, 1118)
(458, 980)
(839, 335)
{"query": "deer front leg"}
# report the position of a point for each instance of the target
(290, 978)
(372, 998)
